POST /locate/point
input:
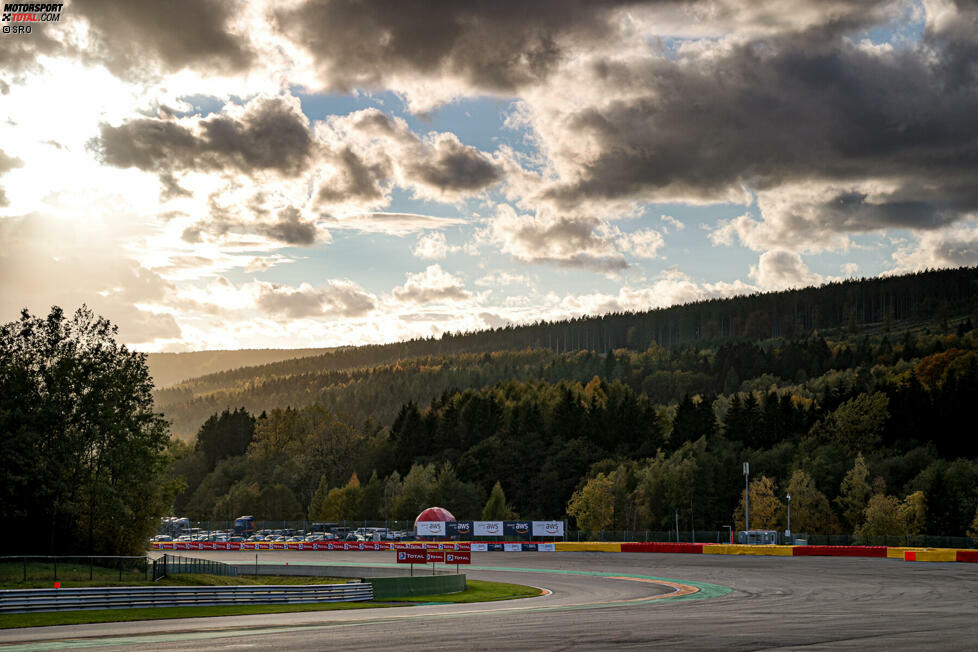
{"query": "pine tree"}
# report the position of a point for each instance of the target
(496, 508)
(318, 499)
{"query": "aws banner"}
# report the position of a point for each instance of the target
(462, 529)
(488, 528)
(430, 528)
(517, 528)
(548, 528)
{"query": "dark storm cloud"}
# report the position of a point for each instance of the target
(172, 35)
(271, 134)
(504, 45)
(498, 45)
(773, 112)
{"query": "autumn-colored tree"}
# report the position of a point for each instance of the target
(854, 493)
(767, 511)
(810, 509)
(882, 517)
(913, 511)
(593, 505)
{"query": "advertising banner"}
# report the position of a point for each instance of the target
(458, 557)
(412, 556)
(495, 547)
(517, 528)
(546, 547)
(234, 545)
(430, 528)
(436, 555)
(512, 547)
(461, 529)
(248, 545)
(488, 528)
(479, 547)
(529, 547)
(548, 528)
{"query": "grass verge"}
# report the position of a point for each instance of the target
(11, 621)
(478, 591)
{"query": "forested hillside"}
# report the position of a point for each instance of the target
(375, 380)
(171, 368)
(866, 424)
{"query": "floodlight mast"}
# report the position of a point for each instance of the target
(747, 498)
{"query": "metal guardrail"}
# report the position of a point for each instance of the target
(177, 565)
(31, 600)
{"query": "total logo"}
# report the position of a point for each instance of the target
(401, 555)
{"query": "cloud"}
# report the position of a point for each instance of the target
(563, 241)
(373, 150)
(7, 163)
(825, 132)
(671, 222)
(267, 134)
(336, 299)
(497, 279)
(780, 270)
(398, 224)
(291, 228)
(129, 37)
(644, 243)
(432, 246)
(432, 285)
(955, 246)
(453, 167)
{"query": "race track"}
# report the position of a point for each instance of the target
(773, 603)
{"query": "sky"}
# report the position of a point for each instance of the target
(240, 174)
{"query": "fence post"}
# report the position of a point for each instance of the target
(25, 568)
(91, 568)
(55, 569)
(120, 569)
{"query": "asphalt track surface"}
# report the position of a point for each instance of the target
(772, 603)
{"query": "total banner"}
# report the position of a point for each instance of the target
(462, 529)
(517, 528)
(430, 528)
(488, 528)
(548, 528)
(412, 556)
(458, 557)
(436, 555)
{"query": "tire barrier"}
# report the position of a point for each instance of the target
(840, 551)
(687, 548)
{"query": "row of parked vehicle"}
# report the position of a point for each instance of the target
(337, 534)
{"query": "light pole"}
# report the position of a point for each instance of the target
(747, 498)
(677, 525)
(789, 515)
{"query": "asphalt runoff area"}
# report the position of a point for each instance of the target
(768, 603)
